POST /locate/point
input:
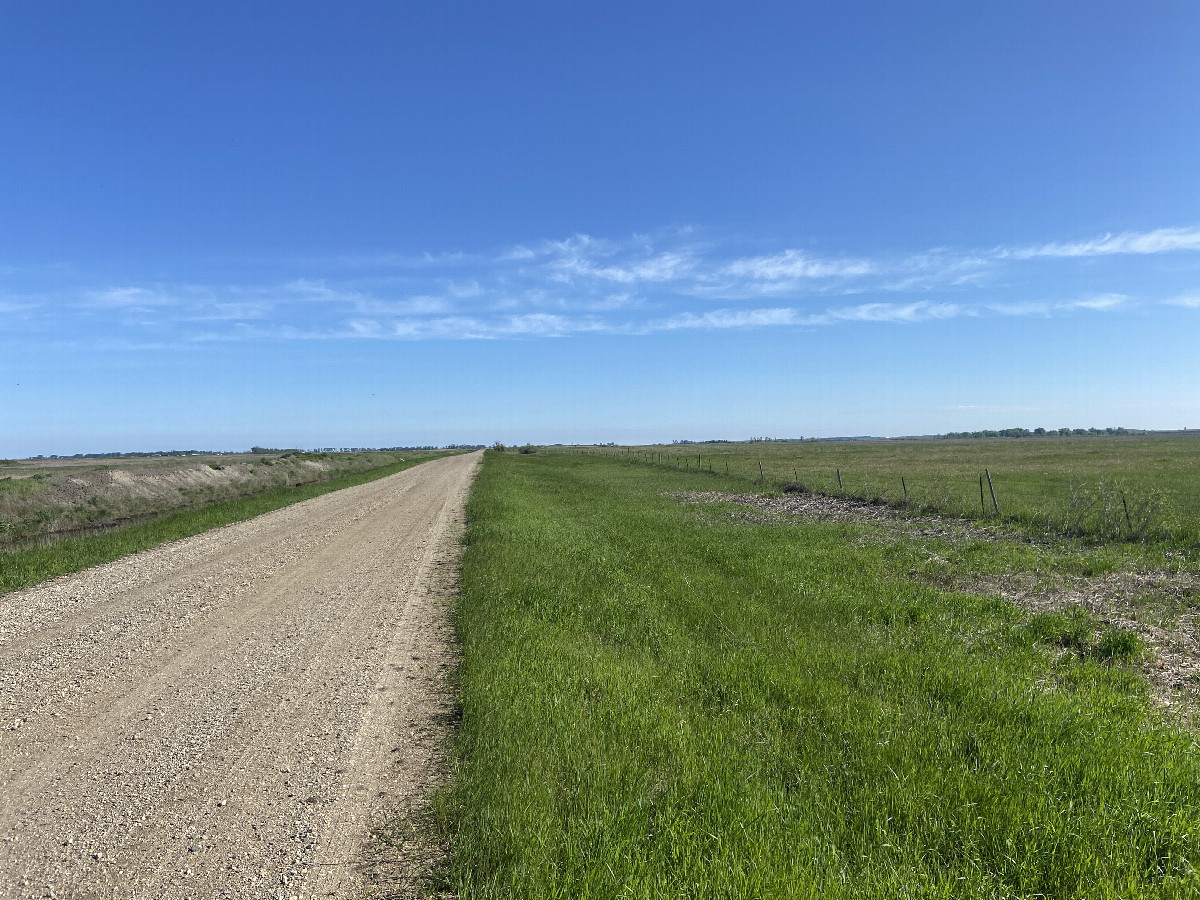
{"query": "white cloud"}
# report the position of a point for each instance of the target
(1097, 302)
(1100, 301)
(896, 312)
(794, 264)
(635, 285)
(1162, 240)
(732, 318)
(1190, 300)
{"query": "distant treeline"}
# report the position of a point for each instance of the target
(1036, 432)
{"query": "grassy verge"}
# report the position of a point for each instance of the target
(26, 567)
(658, 702)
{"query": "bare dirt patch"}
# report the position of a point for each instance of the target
(1161, 607)
(842, 510)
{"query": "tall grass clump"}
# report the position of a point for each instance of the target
(659, 702)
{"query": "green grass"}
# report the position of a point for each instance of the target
(1072, 484)
(23, 568)
(658, 702)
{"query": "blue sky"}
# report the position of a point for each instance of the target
(386, 223)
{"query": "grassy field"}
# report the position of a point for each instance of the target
(662, 699)
(1082, 485)
(22, 568)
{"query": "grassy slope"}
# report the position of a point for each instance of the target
(26, 567)
(660, 704)
(1034, 477)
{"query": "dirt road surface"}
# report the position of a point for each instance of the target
(229, 715)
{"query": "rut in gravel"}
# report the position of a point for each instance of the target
(230, 715)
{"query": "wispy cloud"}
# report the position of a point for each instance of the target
(1162, 240)
(1096, 302)
(1189, 300)
(581, 284)
(794, 264)
(897, 312)
(791, 317)
(731, 318)
(1099, 301)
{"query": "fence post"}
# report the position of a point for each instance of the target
(995, 505)
(982, 505)
(761, 478)
(841, 489)
(905, 487)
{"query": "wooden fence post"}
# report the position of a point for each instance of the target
(995, 505)
(840, 488)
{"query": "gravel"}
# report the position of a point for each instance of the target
(231, 714)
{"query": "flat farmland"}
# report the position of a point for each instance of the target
(1072, 483)
(677, 685)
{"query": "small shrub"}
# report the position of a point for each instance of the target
(794, 487)
(528, 448)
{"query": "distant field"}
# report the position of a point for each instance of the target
(669, 693)
(1062, 483)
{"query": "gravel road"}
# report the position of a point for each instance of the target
(229, 715)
